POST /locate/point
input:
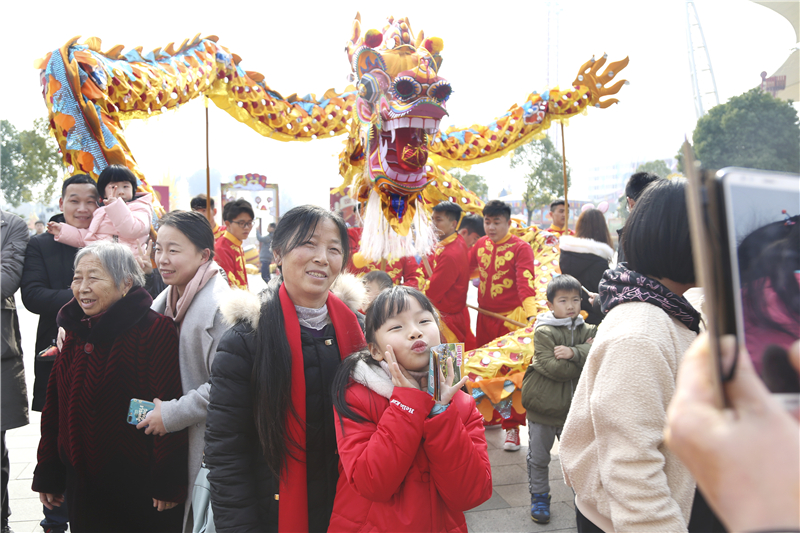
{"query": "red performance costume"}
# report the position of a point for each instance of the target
(219, 231)
(447, 289)
(404, 271)
(506, 284)
(230, 256)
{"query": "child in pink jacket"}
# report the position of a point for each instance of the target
(125, 218)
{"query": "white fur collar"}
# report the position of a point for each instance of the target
(375, 378)
(569, 243)
(244, 305)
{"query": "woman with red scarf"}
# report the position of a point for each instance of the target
(270, 434)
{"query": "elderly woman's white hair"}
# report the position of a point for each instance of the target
(117, 259)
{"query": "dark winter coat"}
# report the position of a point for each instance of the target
(108, 470)
(586, 260)
(45, 286)
(14, 235)
(243, 490)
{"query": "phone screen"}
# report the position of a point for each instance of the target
(763, 231)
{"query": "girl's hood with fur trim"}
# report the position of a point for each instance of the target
(578, 245)
(244, 305)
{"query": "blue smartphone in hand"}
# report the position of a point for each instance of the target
(138, 409)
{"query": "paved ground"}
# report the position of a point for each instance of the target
(507, 511)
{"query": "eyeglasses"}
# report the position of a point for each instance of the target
(242, 224)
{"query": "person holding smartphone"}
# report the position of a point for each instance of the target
(612, 446)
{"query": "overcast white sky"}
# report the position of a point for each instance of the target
(494, 56)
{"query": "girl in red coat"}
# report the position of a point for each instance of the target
(407, 463)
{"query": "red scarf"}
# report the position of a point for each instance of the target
(293, 502)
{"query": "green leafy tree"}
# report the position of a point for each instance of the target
(545, 177)
(657, 167)
(474, 182)
(753, 130)
(622, 207)
(30, 167)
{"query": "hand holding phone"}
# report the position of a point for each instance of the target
(138, 409)
(745, 227)
(153, 423)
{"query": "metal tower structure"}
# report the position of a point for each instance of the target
(704, 85)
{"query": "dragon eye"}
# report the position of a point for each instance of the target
(406, 88)
(368, 88)
(440, 90)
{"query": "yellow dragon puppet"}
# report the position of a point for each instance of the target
(395, 154)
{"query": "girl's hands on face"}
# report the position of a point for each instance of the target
(446, 387)
(400, 376)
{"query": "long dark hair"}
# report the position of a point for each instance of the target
(272, 369)
(387, 304)
(592, 225)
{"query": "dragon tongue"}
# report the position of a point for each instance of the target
(412, 148)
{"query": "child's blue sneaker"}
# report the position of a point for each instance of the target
(540, 508)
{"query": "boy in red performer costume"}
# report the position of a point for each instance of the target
(558, 213)
(238, 216)
(504, 264)
(449, 280)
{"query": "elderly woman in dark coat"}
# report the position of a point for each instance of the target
(113, 477)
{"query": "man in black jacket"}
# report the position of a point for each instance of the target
(45, 285)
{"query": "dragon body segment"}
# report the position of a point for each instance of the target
(88, 93)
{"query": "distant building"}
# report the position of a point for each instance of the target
(607, 181)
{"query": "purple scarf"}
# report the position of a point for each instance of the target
(620, 285)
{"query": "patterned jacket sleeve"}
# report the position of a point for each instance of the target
(224, 257)
(525, 280)
(50, 475)
(410, 272)
(169, 462)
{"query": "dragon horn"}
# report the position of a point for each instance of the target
(356, 30)
(420, 39)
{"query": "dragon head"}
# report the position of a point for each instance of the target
(401, 101)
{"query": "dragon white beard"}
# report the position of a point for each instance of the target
(380, 241)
